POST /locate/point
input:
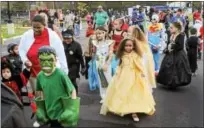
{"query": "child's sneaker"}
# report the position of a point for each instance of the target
(36, 124)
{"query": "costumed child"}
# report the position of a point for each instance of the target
(88, 52)
(136, 33)
(192, 48)
(156, 39)
(117, 35)
(57, 103)
(175, 70)
(125, 25)
(16, 82)
(90, 30)
(14, 58)
(128, 92)
(73, 52)
(99, 72)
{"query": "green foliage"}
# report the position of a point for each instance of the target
(19, 6)
(26, 23)
(18, 31)
(82, 7)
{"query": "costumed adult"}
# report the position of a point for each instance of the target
(156, 39)
(35, 38)
(136, 33)
(175, 70)
(99, 72)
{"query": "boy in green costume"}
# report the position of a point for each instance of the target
(57, 103)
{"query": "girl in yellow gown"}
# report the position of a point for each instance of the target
(128, 91)
(137, 34)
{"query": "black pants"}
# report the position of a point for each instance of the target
(192, 58)
(73, 80)
(55, 124)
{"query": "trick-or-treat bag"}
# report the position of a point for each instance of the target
(41, 111)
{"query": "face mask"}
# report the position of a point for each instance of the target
(47, 62)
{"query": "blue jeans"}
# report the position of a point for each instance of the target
(76, 29)
(156, 57)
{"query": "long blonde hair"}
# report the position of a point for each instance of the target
(138, 35)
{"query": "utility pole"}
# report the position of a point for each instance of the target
(8, 12)
(10, 25)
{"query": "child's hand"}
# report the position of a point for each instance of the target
(74, 95)
(28, 64)
(105, 67)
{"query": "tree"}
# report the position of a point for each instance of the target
(82, 7)
(19, 6)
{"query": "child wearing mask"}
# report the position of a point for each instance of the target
(57, 103)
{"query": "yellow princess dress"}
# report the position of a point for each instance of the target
(128, 91)
(149, 64)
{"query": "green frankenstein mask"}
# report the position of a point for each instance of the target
(47, 57)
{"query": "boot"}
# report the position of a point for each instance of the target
(70, 116)
(41, 112)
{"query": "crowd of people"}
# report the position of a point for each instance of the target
(121, 59)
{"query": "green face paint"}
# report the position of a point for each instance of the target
(47, 62)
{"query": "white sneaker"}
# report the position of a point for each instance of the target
(36, 124)
(135, 118)
(101, 101)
